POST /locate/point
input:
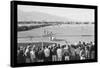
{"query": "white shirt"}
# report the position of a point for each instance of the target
(46, 52)
(59, 52)
(32, 53)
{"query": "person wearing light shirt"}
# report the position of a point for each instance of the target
(47, 54)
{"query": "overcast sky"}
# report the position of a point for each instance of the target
(75, 14)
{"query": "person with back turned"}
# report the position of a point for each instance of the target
(46, 53)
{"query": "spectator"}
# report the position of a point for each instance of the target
(27, 54)
(82, 54)
(59, 53)
(66, 53)
(40, 55)
(54, 53)
(47, 54)
(20, 56)
(32, 55)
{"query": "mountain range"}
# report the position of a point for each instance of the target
(39, 16)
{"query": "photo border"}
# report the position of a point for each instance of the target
(13, 34)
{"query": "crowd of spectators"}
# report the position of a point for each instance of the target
(52, 53)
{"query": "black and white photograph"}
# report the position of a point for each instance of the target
(49, 34)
